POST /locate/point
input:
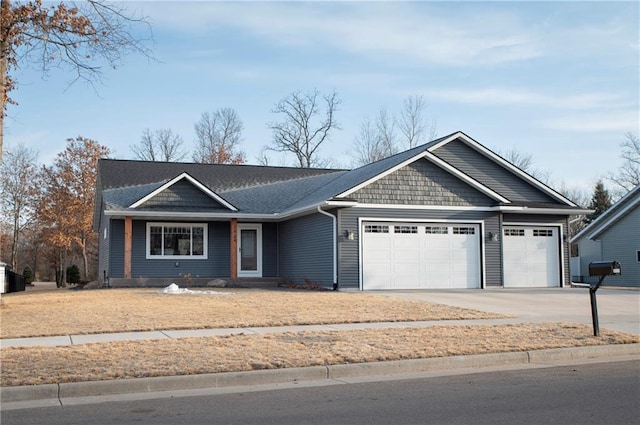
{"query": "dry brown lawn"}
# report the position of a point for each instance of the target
(64, 312)
(68, 312)
(104, 361)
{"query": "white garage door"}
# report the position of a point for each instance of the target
(531, 257)
(420, 255)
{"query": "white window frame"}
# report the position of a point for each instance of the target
(205, 247)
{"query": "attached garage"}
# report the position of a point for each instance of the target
(406, 255)
(531, 256)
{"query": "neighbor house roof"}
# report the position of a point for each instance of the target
(611, 216)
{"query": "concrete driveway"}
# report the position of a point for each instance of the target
(618, 309)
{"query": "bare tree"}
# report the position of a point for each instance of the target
(386, 128)
(385, 136)
(18, 193)
(412, 123)
(628, 175)
(263, 158)
(159, 145)
(64, 35)
(305, 125)
(218, 138)
(525, 162)
(582, 198)
(375, 141)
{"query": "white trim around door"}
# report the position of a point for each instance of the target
(421, 254)
(532, 255)
(249, 250)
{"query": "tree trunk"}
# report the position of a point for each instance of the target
(14, 246)
(61, 275)
(85, 261)
(4, 5)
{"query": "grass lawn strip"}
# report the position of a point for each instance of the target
(131, 359)
(67, 312)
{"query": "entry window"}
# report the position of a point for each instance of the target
(514, 232)
(436, 230)
(375, 228)
(405, 229)
(543, 232)
(464, 230)
(176, 240)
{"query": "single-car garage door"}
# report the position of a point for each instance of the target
(420, 255)
(531, 257)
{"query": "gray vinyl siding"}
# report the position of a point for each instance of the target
(534, 219)
(217, 264)
(182, 195)
(269, 249)
(103, 248)
(493, 252)
(306, 249)
(348, 250)
(490, 173)
(116, 249)
(588, 251)
(421, 183)
(620, 242)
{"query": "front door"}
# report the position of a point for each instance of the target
(250, 250)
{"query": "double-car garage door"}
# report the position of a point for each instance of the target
(399, 255)
(420, 255)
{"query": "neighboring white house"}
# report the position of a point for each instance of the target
(615, 235)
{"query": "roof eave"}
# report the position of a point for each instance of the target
(229, 215)
(538, 210)
(609, 217)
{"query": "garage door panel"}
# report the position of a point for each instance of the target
(531, 256)
(438, 256)
(423, 255)
(402, 242)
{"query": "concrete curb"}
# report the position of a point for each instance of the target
(59, 392)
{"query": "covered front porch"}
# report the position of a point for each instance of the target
(192, 253)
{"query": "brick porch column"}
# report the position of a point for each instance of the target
(128, 231)
(234, 248)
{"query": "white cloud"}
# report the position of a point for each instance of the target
(499, 96)
(408, 32)
(615, 121)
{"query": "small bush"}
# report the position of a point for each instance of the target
(73, 274)
(28, 275)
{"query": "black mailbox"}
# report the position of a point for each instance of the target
(601, 269)
(604, 268)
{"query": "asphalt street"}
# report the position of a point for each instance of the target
(583, 393)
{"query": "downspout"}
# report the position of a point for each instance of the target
(335, 246)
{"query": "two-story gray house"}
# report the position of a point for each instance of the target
(446, 214)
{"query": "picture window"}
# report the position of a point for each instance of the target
(176, 240)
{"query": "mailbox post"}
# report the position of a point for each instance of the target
(601, 269)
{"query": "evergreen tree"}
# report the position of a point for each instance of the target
(600, 201)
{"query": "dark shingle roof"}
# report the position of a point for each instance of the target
(250, 188)
(217, 177)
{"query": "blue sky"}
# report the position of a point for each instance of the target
(557, 80)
